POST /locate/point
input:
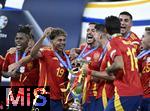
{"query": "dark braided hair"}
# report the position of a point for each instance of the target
(26, 29)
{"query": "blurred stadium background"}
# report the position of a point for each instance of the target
(96, 11)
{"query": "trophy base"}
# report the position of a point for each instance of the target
(76, 106)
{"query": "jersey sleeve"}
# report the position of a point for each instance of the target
(1, 62)
(82, 46)
(104, 62)
(6, 62)
(114, 50)
(135, 41)
(43, 52)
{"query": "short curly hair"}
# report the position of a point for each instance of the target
(57, 32)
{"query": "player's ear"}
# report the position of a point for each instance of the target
(100, 36)
(51, 41)
(131, 24)
(108, 36)
(103, 34)
(105, 30)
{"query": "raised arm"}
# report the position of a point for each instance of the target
(37, 46)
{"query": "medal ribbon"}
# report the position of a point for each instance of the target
(67, 65)
(127, 35)
(83, 54)
(104, 51)
(143, 53)
(17, 56)
(17, 59)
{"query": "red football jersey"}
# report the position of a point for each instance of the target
(29, 77)
(135, 41)
(108, 85)
(1, 64)
(144, 67)
(127, 82)
(52, 72)
(93, 57)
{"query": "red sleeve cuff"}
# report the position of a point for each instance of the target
(89, 72)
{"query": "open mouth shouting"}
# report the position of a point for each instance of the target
(18, 46)
(90, 38)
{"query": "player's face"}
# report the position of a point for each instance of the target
(90, 37)
(59, 43)
(98, 37)
(21, 41)
(126, 24)
(146, 40)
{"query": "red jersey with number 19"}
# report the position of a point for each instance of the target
(52, 72)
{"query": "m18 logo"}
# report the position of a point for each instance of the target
(25, 99)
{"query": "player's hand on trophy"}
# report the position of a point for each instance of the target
(73, 54)
(84, 70)
(83, 61)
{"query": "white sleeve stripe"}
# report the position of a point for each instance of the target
(135, 42)
(112, 53)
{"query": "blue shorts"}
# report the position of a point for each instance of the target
(145, 106)
(93, 104)
(56, 105)
(99, 105)
(124, 103)
(90, 105)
